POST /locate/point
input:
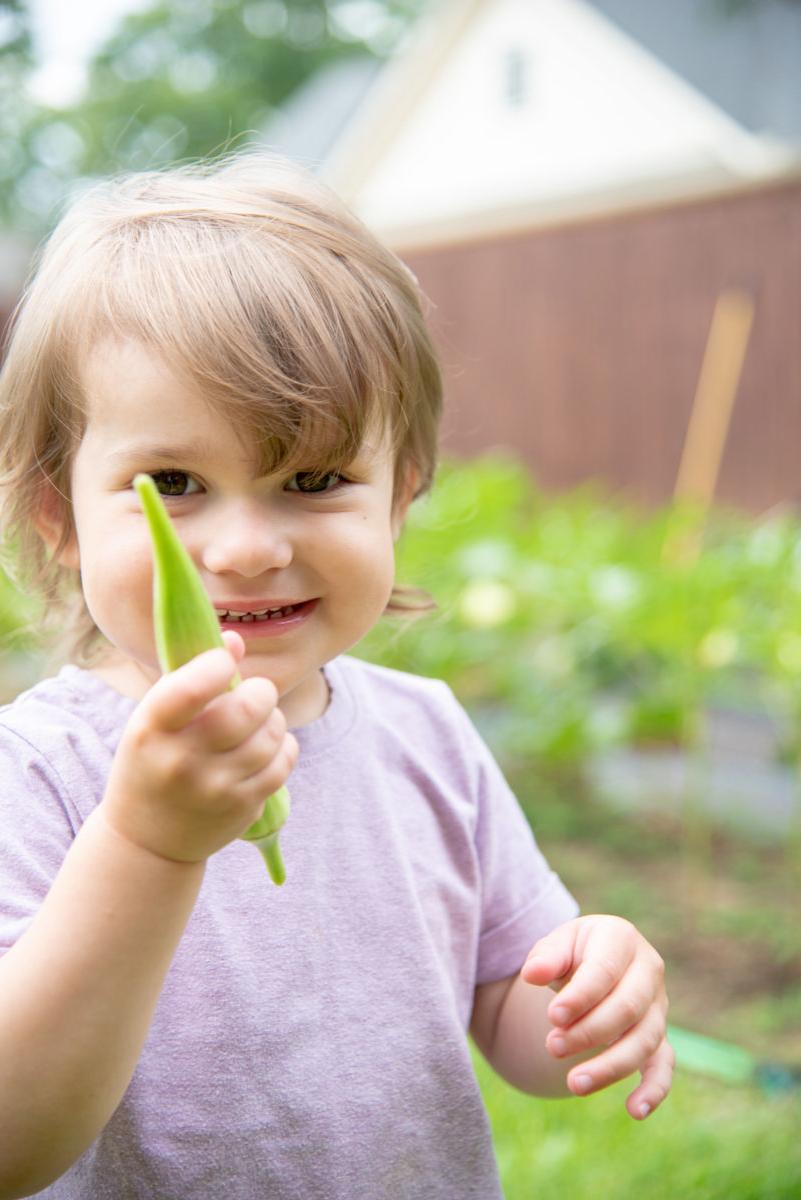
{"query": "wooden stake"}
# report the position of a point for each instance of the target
(712, 411)
(714, 397)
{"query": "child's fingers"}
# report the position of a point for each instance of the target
(234, 644)
(593, 980)
(270, 778)
(657, 1078)
(230, 719)
(619, 1060)
(179, 697)
(591, 984)
(590, 954)
(257, 752)
(618, 1012)
(546, 968)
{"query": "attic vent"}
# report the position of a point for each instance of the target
(517, 77)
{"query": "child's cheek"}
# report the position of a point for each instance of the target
(117, 586)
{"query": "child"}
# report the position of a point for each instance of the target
(173, 1025)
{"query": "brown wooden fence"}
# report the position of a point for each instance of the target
(578, 347)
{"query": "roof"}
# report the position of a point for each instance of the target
(745, 58)
(310, 122)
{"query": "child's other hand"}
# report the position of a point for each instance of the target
(612, 997)
(196, 761)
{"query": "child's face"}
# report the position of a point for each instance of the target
(258, 543)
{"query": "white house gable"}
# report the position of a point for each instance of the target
(532, 102)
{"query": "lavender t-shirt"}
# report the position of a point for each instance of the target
(309, 1042)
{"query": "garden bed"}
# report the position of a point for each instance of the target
(736, 778)
(721, 907)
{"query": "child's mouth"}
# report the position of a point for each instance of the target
(265, 621)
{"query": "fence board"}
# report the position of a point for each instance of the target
(579, 347)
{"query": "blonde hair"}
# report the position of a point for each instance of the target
(249, 275)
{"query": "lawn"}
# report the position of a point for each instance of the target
(727, 924)
(707, 1141)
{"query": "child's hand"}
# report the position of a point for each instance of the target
(196, 761)
(612, 998)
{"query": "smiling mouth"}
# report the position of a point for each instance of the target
(249, 617)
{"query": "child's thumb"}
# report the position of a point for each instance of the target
(550, 960)
(234, 644)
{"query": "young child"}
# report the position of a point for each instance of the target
(173, 1025)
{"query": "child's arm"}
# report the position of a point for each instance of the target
(609, 1016)
(78, 990)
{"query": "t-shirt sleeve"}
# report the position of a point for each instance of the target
(36, 832)
(522, 898)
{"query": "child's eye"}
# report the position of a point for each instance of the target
(310, 483)
(174, 483)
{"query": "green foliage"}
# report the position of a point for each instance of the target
(566, 624)
(707, 1140)
(181, 80)
(16, 631)
(15, 38)
(16, 61)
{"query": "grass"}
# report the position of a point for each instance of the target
(726, 923)
(708, 1140)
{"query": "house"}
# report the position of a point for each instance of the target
(503, 111)
(573, 206)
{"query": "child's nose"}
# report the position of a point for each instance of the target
(248, 543)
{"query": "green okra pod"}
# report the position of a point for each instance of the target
(185, 625)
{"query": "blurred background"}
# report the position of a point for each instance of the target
(601, 200)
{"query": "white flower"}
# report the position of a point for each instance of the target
(718, 648)
(554, 657)
(615, 587)
(486, 603)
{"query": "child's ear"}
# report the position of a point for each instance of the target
(51, 522)
(408, 491)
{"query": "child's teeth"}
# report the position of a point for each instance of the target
(266, 614)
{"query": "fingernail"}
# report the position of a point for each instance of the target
(557, 1046)
(644, 1110)
(560, 1016)
(581, 1084)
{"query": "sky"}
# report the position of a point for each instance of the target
(66, 34)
